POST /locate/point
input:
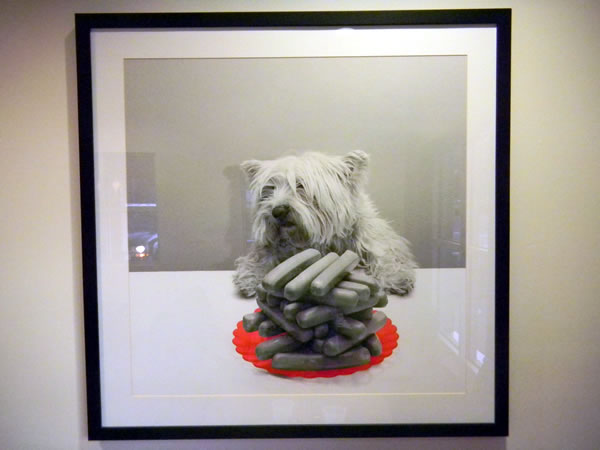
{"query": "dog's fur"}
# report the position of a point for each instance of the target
(319, 201)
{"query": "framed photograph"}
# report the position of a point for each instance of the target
(405, 115)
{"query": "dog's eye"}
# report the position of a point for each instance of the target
(301, 191)
(267, 191)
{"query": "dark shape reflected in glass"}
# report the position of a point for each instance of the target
(142, 212)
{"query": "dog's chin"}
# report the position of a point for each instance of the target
(287, 238)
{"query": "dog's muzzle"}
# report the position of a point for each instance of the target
(282, 216)
(285, 229)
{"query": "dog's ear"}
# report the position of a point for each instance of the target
(250, 168)
(357, 161)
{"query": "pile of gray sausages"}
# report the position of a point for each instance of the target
(321, 311)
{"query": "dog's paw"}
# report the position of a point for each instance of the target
(245, 284)
(248, 292)
(403, 289)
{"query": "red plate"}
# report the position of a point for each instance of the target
(245, 343)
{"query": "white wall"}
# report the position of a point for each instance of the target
(555, 310)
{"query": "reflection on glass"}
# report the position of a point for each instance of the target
(142, 212)
(449, 208)
(479, 357)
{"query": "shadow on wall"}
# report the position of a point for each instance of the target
(238, 207)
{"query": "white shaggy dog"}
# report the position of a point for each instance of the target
(319, 201)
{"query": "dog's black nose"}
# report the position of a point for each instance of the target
(279, 212)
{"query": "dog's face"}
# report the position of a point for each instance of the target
(303, 201)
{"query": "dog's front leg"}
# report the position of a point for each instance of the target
(387, 257)
(250, 270)
(245, 277)
(394, 274)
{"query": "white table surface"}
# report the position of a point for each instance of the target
(180, 365)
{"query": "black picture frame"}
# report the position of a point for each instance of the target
(86, 24)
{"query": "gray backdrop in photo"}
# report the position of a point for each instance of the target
(190, 123)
